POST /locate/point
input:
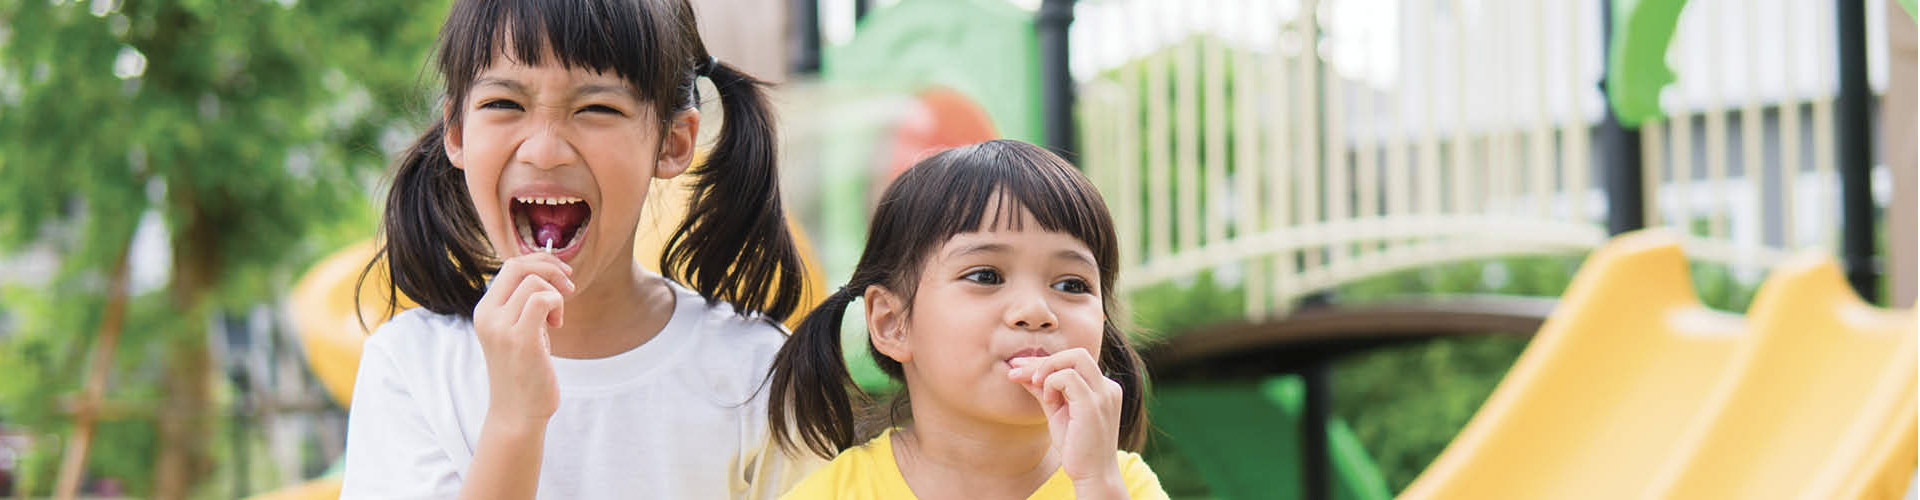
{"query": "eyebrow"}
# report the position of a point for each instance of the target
(979, 248)
(584, 90)
(1075, 255)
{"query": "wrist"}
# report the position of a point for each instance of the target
(515, 426)
(1108, 484)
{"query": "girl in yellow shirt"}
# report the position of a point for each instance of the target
(988, 278)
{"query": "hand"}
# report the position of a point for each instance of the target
(1083, 412)
(511, 320)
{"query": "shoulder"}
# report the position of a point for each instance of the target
(1140, 479)
(416, 328)
(853, 474)
(720, 319)
(726, 333)
(734, 352)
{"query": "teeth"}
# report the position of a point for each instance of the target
(547, 200)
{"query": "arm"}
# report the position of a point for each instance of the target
(391, 449)
(507, 463)
(511, 321)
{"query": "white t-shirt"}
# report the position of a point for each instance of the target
(681, 416)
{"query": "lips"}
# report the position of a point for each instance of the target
(1030, 352)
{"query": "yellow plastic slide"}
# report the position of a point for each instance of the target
(1633, 389)
(323, 306)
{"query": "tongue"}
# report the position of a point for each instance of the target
(549, 234)
(556, 223)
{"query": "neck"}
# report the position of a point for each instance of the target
(624, 307)
(942, 445)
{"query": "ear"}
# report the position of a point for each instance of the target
(677, 144)
(887, 323)
(452, 141)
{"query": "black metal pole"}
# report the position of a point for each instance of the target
(1056, 79)
(1620, 147)
(1854, 145)
(860, 9)
(806, 33)
(1313, 432)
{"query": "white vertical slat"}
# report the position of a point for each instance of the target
(1540, 148)
(1281, 125)
(1247, 167)
(1367, 173)
(1337, 191)
(1214, 63)
(1716, 114)
(1752, 164)
(1307, 185)
(1159, 160)
(1653, 166)
(1680, 167)
(1460, 157)
(1574, 147)
(1429, 161)
(1186, 105)
(1789, 118)
(1824, 170)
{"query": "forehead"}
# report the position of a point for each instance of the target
(1012, 232)
(506, 70)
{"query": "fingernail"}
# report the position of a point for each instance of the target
(1017, 372)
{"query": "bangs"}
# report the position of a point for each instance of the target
(604, 36)
(987, 186)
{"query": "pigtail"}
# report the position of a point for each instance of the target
(812, 392)
(1123, 364)
(734, 245)
(430, 236)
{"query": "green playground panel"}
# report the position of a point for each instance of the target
(1244, 437)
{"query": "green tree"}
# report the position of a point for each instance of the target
(245, 126)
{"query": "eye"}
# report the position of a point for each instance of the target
(599, 108)
(1073, 285)
(501, 104)
(984, 277)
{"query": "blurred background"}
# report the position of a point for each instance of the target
(1343, 221)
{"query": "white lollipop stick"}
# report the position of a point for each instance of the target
(549, 245)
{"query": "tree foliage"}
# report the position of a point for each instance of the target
(242, 130)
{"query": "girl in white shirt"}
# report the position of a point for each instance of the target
(543, 359)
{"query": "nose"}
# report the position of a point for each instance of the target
(546, 148)
(1031, 312)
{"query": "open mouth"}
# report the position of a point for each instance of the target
(554, 224)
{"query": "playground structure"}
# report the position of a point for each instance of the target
(1304, 145)
(1252, 140)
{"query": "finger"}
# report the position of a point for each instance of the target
(517, 303)
(1066, 388)
(1077, 358)
(541, 307)
(517, 269)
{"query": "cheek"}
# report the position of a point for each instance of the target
(1083, 325)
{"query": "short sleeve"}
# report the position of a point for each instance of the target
(391, 451)
(1142, 484)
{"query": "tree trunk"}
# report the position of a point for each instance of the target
(186, 413)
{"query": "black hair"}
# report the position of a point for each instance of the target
(734, 244)
(945, 195)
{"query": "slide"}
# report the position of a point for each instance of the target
(1633, 389)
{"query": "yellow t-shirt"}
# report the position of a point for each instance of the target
(868, 472)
